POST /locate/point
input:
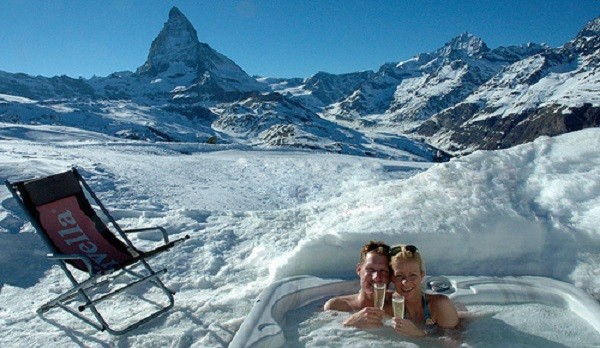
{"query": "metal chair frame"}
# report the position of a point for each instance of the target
(81, 291)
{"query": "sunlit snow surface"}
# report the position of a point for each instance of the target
(259, 216)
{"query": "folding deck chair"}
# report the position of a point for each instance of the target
(63, 209)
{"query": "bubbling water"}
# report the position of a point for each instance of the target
(481, 325)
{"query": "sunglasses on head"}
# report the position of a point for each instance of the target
(398, 248)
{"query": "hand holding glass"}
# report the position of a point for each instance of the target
(379, 295)
(398, 305)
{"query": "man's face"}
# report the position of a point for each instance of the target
(375, 269)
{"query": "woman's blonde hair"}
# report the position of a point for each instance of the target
(406, 252)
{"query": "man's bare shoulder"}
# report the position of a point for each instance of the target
(340, 303)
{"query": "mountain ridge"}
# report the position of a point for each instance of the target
(459, 98)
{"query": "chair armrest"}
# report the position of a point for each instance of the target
(145, 229)
(149, 254)
(86, 260)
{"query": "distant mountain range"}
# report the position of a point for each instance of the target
(458, 99)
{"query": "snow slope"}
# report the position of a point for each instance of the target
(256, 216)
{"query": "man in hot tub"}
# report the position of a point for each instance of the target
(373, 267)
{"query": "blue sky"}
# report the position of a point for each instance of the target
(285, 38)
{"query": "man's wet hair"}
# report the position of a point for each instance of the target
(378, 247)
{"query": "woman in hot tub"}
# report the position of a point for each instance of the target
(422, 312)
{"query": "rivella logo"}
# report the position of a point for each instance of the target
(72, 234)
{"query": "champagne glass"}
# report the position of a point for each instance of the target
(398, 305)
(379, 294)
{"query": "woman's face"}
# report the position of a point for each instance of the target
(407, 277)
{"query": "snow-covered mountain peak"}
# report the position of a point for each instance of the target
(176, 15)
(464, 43)
(176, 42)
(591, 29)
(587, 42)
(176, 55)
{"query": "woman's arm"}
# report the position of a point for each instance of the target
(443, 312)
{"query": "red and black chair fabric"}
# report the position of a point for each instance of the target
(65, 212)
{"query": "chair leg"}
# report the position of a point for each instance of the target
(79, 290)
(118, 291)
(100, 327)
(71, 294)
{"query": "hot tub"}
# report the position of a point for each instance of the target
(493, 310)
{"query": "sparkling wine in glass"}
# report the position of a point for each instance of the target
(379, 294)
(398, 305)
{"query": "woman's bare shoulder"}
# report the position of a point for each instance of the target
(432, 298)
(443, 310)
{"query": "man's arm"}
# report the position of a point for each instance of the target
(338, 304)
(368, 317)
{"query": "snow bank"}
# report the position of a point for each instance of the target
(259, 216)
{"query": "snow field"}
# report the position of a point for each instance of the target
(258, 216)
